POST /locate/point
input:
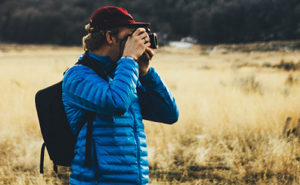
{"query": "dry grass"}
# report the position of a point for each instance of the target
(232, 111)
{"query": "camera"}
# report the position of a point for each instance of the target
(152, 36)
(153, 39)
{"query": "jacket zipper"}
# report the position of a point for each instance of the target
(138, 149)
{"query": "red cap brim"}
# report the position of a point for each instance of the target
(140, 24)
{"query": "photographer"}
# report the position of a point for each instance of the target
(132, 91)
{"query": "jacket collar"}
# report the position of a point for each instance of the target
(108, 65)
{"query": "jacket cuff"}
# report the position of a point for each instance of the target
(129, 63)
(151, 78)
(127, 60)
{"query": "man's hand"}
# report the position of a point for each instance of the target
(137, 43)
(144, 61)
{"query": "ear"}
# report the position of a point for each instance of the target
(109, 38)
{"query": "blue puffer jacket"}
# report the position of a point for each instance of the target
(119, 152)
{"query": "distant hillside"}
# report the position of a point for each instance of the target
(208, 21)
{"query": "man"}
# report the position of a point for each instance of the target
(134, 91)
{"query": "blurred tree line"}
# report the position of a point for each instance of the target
(208, 21)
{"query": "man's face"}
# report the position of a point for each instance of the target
(119, 42)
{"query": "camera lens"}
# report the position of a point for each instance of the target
(153, 40)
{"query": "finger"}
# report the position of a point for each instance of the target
(150, 52)
(147, 52)
(146, 39)
(144, 35)
(147, 55)
(139, 31)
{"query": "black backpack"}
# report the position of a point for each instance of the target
(57, 134)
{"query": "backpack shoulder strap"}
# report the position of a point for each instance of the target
(88, 145)
(94, 65)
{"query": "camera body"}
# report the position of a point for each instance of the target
(153, 39)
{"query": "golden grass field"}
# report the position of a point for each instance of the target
(233, 106)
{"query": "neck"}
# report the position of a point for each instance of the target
(103, 51)
(112, 51)
(106, 51)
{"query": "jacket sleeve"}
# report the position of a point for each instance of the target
(84, 89)
(157, 102)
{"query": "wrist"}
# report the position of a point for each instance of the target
(129, 57)
(149, 78)
(144, 72)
